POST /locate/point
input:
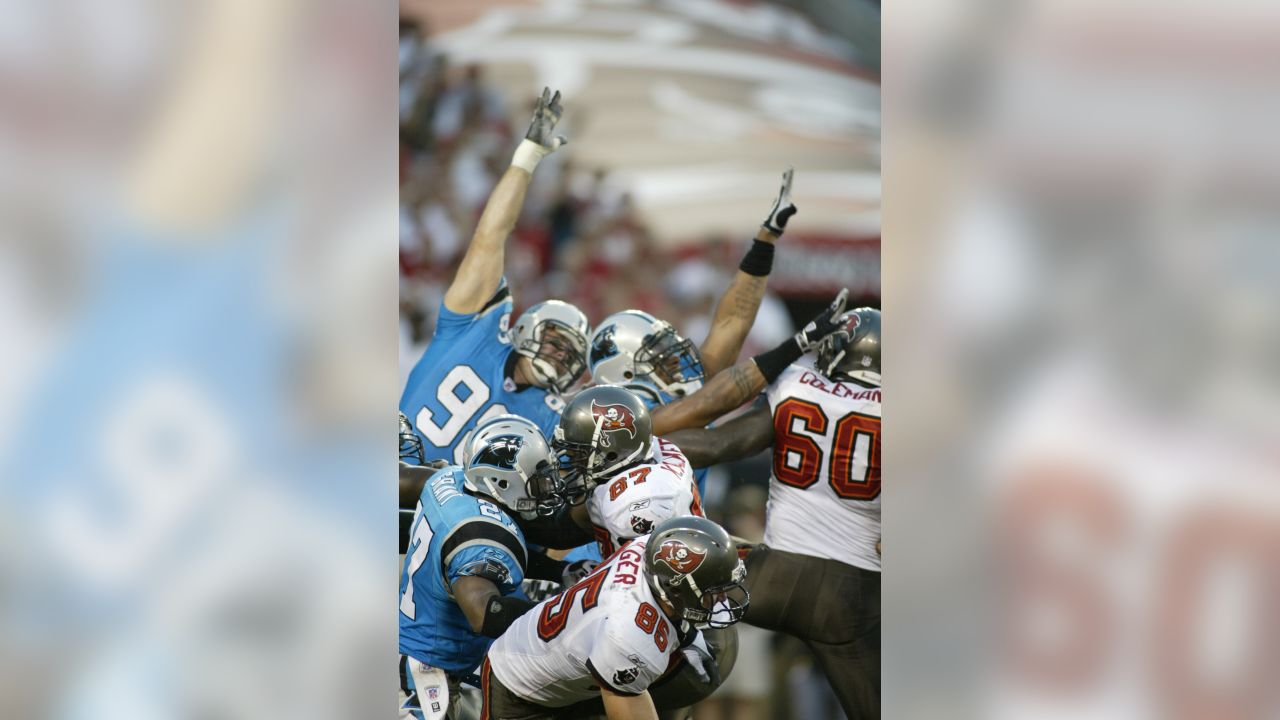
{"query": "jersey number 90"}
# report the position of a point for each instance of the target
(460, 406)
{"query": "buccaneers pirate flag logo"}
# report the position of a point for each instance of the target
(614, 417)
(679, 557)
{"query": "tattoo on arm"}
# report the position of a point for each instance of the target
(747, 381)
(734, 317)
(723, 393)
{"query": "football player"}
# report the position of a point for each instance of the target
(823, 517)
(647, 356)
(726, 391)
(474, 367)
(467, 557)
(633, 479)
(636, 482)
(601, 644)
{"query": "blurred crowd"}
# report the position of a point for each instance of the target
(580, 237)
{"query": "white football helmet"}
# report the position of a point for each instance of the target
(645, 355)
(553, 335)
(508, 460)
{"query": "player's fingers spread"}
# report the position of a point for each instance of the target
(555, 100)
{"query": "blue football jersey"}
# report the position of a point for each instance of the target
(454, 534)
(461, 380)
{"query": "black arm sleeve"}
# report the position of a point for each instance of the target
(542, 567)
(501, 612)
(773, 362)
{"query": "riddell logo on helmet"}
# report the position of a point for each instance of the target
(679, 557)
(614, 417)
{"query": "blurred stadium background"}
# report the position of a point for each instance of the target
(681, 118)
(199, 204)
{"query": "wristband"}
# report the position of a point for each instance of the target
(759, 259)
(773, 362)
(528, 154)
(500, 612)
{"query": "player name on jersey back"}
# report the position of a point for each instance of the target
(607, 629)
(824, 497)
(632, 502)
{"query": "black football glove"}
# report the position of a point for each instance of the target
(773, 362)
(783, 208)
(827, 322)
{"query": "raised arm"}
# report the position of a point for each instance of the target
(736, 311)
(481, 269)
(743, 381)
(741, 437)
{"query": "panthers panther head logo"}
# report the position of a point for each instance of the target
(603, 347)
(614, 417)
(679, 557)
(500, 451)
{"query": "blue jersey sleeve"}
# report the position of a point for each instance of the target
(486, 549)
(488, 325)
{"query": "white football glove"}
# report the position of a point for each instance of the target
(699, 657)
(827, 322)
(540, 139)
(576, 571)
(783, 208)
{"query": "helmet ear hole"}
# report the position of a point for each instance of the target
(628, 374)
(503, 484)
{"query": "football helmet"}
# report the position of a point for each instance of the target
(853, 351)
(411, 450)
(507, 459)
(692, 564)
(646, 355)
(602, 430)
(553, 335)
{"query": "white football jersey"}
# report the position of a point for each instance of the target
(824, 496)
(631, 503)
(605, 630)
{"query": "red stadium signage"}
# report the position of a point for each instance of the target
(819, 266)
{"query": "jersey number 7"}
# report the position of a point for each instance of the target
(853, 469)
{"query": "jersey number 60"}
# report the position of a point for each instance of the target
(855, 444)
